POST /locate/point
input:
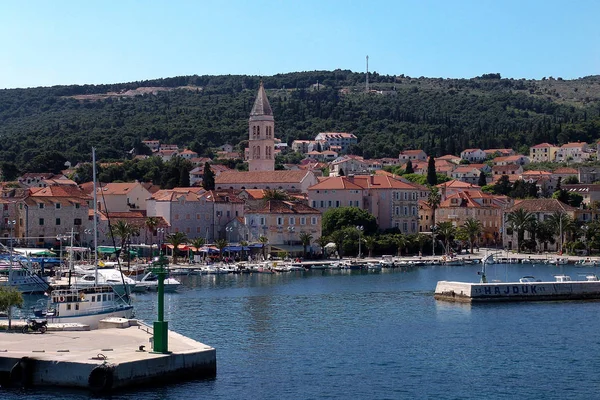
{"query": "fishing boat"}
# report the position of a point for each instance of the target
(106, 277)
(87, 305)
(83, 306)
(22, 277)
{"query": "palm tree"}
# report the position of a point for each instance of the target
(264, 240)
(151, 225)
(338, 237)
(124, 230)
(370, 243)
(322, 242)
(305, 239)
(561, 223)
(400, 240)
(545, 233)
(433, 201)
(519, 220)
(198, 243)
(421, 239)
(275, 194)
(472, 229)
(221, 244)
(447, 231)
(175, 239)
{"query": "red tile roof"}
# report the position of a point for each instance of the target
(284, 207)
(249, 177)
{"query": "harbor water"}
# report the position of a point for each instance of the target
(375, 335)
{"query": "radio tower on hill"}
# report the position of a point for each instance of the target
(367, 83)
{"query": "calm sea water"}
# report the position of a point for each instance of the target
(359, 335)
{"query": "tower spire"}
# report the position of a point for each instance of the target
(261, 104)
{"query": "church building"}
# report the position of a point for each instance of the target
(261, 127)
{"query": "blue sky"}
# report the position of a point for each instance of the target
(63, 42)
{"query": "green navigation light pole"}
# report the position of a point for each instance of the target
(161, 327)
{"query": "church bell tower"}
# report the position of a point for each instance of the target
(261, 143)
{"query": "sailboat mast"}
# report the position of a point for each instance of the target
(95, 216)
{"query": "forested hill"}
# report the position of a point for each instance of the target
(438, 115)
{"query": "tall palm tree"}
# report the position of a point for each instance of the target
(545, 233)
(561, 223)
(472, 229)
(421, 239)
(221, 244)
(175, 239)
(433, 201)
(322, 242)
(264, 240)
(519, 220)
(151, 224)
(198, 243)
(400, 240)
(370, 242)
(338, 238)
(124, 231)
(447, 231)
(305, 239)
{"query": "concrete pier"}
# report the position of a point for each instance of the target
(116, 356)
(516, 291)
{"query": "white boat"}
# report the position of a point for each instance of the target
(22, 277)
(150, 282)
(84, 306)
(106, 276)
(373, 266)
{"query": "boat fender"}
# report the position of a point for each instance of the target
(82, 296)
(21, 374)
(101, 378)
(61, 299)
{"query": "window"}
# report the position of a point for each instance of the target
(302, 220)
(329, 203)
(313, 220)
(405, 210)
(41, 221)
(397, 211)
(323, 204)
(279, 221)
(314, 203)
(57, 205)
(198, 216)
(57, 221)
(187, 216)
(262, 220)
(41, 206)
(198, 230)
(176, 217)
(77, 221)
(292, 221)
(187, 230)
(77, 206)
(337, 203)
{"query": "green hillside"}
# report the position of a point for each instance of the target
(439, 115)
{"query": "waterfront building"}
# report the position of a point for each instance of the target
(575, 152)
(282, 222)
(47, 212)
(391, 201)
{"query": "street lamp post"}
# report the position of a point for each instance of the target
(360, 229)
(161, 233)
(11, 227)
(433, 240)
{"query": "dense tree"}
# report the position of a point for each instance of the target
(10, 297)
(305, 239)
(175, 239)
(472, 228)
(336, 219)
(208, 177)
(482, 179)
(409, 168)
(431, 174)
(446, 231)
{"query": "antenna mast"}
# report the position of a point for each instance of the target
(367, 83)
